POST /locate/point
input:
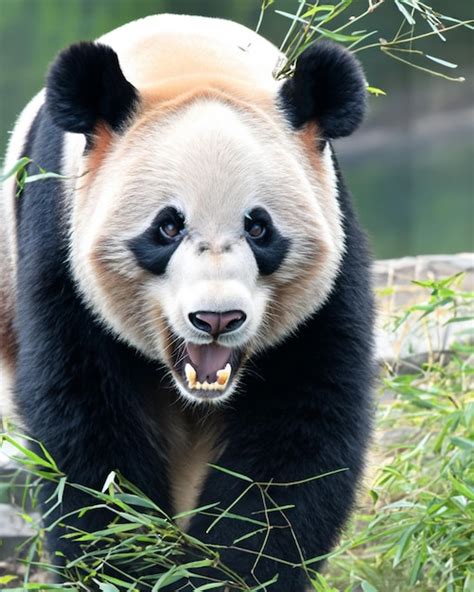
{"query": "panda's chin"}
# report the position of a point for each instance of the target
(206, 372)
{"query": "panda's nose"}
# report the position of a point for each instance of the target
(217, 323)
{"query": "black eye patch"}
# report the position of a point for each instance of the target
(269, 246)
(154, 247)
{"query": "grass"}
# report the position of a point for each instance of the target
(415, 526)
(416, 531)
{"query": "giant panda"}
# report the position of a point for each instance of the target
(194, 288)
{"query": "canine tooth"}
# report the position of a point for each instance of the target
(224, 375)
(190, 375)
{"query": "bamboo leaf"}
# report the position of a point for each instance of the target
(408, 17)
(442, 62)
(233, 473)
(17, 167)
(376, 91)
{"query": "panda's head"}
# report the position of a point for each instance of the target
(205, 226)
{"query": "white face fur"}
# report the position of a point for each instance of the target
(214, 163)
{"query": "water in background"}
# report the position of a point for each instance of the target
(410, 167)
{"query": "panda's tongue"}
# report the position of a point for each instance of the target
(208, 359)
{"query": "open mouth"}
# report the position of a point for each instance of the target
(208, 368)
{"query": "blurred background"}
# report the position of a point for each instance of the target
(410, 167)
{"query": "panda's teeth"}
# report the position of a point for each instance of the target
(219, 385)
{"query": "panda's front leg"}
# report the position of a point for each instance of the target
(321, 447)
(83, 396)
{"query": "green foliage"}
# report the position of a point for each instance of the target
(19, 171)
(139, 532)
(340, 21)
(417, 530)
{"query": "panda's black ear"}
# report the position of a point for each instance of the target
(328, 87)
(85, 86)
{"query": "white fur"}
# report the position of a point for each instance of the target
(8, 253)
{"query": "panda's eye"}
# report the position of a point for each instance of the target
(256, 230)
(154, 247)
(256, 224)
(269, 246)
(170, 224)
(170, 229)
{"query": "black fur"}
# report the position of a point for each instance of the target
(85, 86)
(328, 87)
(151, 249)
(80, 391)
(303, 411)
(270, 250)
